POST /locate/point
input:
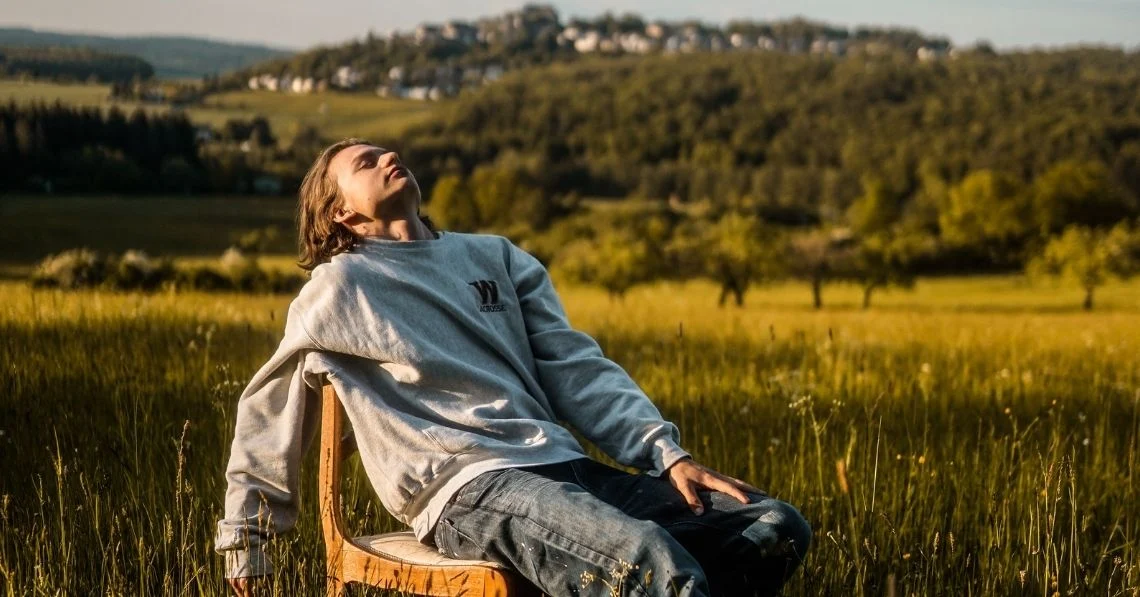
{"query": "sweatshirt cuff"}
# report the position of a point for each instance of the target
(665, 453)
(241, 563)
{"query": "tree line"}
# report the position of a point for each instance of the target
(59, 148)
(65, 65)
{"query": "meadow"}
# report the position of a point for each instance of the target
(972, 437)
(335, 115)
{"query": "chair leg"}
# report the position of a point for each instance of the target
(334, 587)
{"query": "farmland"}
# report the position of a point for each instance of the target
(334, 114)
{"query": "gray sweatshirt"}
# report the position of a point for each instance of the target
(452, 356)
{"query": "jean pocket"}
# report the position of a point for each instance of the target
(454, 543)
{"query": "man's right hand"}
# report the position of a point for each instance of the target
(249, 586)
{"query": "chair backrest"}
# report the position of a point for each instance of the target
(331, 456)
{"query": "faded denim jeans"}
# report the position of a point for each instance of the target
(585, 528)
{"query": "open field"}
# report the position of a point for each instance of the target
(32, 227)
(335, 115)
(988, 432)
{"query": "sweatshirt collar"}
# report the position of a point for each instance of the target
(404, 245)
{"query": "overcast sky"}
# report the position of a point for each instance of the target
(1006, 23)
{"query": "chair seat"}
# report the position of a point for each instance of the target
(404, 547)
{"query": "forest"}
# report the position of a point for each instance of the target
(65, 64)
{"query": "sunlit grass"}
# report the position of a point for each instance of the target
(972, 437)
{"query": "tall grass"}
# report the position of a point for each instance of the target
(938, 446)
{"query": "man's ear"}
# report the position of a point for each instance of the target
(342, 214)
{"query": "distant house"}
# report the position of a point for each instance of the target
(396, 73)
(636, 43)
(929, 54)
(587, 42)
(346, 77)
(741, 41)
(459, 31)
(427, 33)
(655, 31)
(492, 72)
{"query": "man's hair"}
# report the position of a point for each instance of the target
(319, 236)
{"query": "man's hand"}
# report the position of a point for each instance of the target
(688, 477)
(249, 586)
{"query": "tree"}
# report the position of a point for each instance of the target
(452, 205)
(885, 259)
(818, 256)
(1089, 257)
(885, 245)
(503, 196)
(616, 260)
(734, 251)
(988, 212)
(1079, 192)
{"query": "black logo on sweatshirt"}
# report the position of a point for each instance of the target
(489, 295)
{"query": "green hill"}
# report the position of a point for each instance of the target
(172, 57)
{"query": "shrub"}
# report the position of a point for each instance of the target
(73, 268)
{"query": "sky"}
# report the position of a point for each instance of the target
(1007, 24)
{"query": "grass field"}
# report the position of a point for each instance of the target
(32, 227)
(987, 431)
(336, 115)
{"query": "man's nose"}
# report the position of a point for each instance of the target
(391, 158)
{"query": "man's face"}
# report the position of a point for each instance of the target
(372, 180)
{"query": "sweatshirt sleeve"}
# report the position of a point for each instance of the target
(591, 392)
(277, 416)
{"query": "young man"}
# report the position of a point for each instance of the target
(455, 361)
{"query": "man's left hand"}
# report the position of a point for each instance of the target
(688, 477)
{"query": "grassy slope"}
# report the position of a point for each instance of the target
(335, 114)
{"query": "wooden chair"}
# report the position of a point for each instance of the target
(394, 560)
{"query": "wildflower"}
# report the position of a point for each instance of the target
(1004, 374)
(1085, 442)
(922, 459)
(906, 556)
(926, 368)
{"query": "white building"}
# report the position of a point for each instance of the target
(346, 77)
(587, 42)
(741, 41)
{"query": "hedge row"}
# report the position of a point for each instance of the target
(135, 270)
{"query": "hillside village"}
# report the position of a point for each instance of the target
(539, 27)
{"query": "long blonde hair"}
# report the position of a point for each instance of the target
(319, 236)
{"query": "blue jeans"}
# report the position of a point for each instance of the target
(585, 528)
